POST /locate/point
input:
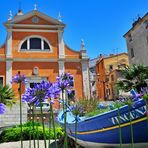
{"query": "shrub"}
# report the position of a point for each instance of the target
(30, 123)
(88, 105)
(97, 112)
(13, 134)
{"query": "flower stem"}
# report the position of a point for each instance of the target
(76, 124)
(120, 134)
(131, 127)
(33, 127)
(49, 127)
(43, 123)
(38, 133)
(20, 93)
(30, 127)
(65, 114)
(55, 135)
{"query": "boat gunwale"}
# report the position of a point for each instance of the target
(138, 105)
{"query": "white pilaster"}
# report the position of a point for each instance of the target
(9, 43)
(86, 81)
(61, 71)
(61, 44)
(9, 72)
(61, 67)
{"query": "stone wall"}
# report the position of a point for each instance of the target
(12, 115)
(138, 42)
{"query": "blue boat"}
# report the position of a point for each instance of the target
(103, 130)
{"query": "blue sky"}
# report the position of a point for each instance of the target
(101, 23)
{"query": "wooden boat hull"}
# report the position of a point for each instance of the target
(104, 130)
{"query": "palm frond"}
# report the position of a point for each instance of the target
(6, 95)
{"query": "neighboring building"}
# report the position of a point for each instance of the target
(137, 41)
(114, 75)
(107, 74)
(35, 47)
(92, 72)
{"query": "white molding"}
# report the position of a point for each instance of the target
(34, 30)
(8, 73)
(28, 43)
(41, 60)
(35, 26)
(35, 59)
(72, 60)
(86, 80)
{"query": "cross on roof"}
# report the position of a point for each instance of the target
(10, 15)
(35, 6)
(59, 17)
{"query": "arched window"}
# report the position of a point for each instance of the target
(35, 44)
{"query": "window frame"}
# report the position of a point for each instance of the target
(132, 52)
(130, 38)
(110, 67)
(112, 78)
(43, 39)
(1, 76)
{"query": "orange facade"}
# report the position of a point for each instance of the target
(104, 70)
(35, 42)
(101, 77)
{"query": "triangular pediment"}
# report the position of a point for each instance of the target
(36, 18)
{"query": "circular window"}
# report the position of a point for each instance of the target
(35, 19)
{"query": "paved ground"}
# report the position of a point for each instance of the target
(25, 144)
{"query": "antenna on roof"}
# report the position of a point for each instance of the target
(136, 19)
(20, 9)
(20, 5)
(138, 16)
(35, 7)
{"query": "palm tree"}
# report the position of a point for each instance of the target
(134, 76)
(6, 95)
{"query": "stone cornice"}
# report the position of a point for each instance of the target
(41, 60)
(35, 26)
(34, 30)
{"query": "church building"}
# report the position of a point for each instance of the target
(35, 47)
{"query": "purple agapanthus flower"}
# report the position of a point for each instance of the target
(2, 108)
(29, 96)
(144, 90)
(65, 81)
(36, 94)
(53, 92)
(19, 79)
(76, 109)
